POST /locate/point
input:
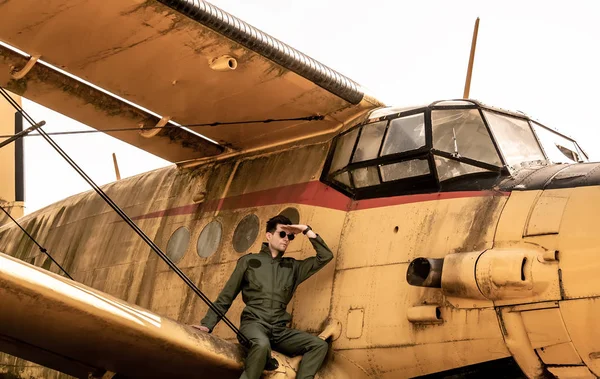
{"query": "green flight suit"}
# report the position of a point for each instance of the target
(267, 286)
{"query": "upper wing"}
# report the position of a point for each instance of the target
(158, 55)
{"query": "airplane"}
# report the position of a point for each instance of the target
(463, 234)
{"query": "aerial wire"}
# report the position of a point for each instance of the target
(217, 123)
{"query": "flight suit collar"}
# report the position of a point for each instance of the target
(264, 249)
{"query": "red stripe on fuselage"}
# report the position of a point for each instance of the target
(407, 199)
(312, 193)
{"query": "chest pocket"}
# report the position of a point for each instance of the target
(252, 279)
(288, 276)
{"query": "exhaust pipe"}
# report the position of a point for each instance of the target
(494, 274)
(425, 272)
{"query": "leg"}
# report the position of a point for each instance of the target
(295, 342)
(259, 350)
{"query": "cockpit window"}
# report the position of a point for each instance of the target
(365, 177)
(515, 139)
(558, 148)
(450, 168)
(462, 133)
(343, 178)
(404, 134)
(369, 141)
(343, 150)
(403, 170)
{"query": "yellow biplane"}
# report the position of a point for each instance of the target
(463, 234)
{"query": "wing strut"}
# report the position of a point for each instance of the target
(126, 218)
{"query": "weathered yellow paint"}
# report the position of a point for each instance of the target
(123, 266)
(540, 282)
(518, 343)
(507, 276)
(547, 213)
(365, 287)
(561, 354)
(410, 361)
(367, 273)
(561, 222)
(355, 323)
(180, 51)
(467, 224)
(514, 217)
(579, 246)
(459, 278)
(74, 314)
(312, 300)
(515, 266)
(424, 314)
(545, 327)
(385, 300)
(580, 320)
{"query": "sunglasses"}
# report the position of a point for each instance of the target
(282, 234)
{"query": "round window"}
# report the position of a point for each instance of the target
(245, 233)
(178, 244)
(292, 214)
(209, 239)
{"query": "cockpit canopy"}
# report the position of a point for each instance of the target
(415, 150)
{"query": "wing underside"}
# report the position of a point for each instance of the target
(160, 55)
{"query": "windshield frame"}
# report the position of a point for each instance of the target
(429, 182)
(390, 158)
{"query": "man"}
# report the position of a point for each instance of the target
(268, 281)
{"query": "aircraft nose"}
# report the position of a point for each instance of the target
(556, 330)
(541, 276)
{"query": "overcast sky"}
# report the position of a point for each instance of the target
(539, 57)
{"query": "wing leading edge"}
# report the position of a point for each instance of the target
(75, 329)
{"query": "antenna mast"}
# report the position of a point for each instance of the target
(117, 172)
(471, 59)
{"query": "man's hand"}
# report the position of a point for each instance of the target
(293, 229)
(297, 229)
(201, 328)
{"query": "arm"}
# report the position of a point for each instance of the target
(228, 294)
(308, 267)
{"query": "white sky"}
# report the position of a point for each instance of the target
(540, 57)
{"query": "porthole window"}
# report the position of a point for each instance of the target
(178, 244)
(292, 214)
(245, 233)
(209, 239)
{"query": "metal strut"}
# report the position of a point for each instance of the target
(126, 218)
(42, 249)
(22, 133)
